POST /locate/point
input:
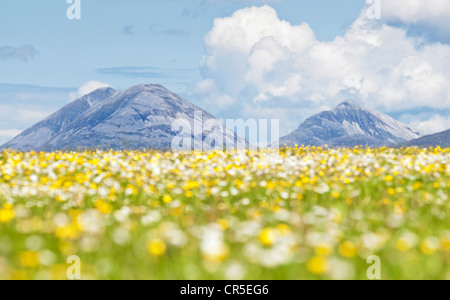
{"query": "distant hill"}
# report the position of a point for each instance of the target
(350, 125)
(434, 140)
(140, 117)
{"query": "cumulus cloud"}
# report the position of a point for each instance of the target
(87, 88)
(269, 65)
(436, 124)
(427, 18)
(23, 53)
(196, 8)
(415, 11)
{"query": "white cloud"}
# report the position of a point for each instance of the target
(91, 86)
(87, 88)
(269, 65)
(248, 26)
(435, 12)
(436, 124)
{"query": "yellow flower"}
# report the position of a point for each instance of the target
(317, 265)
(224, 224)
(324, 249)
(403, 245)
(348, 249)
(389, 178)
(267, 236)
(70, 231)
(399, 190)
(20, 275)
(337, 217)
(335, 194)
(417, 185)
(429, 246)
(7, 213)
(445, 243)
(399, 209)
(171, 185)
(104, 207)
(167, 199)
(156, 247)
(58, 272)
(29, 259)
(191, 185)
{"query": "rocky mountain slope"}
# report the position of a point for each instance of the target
(348, 125)
(441, 139)
(141, 117)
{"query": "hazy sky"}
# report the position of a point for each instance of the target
(280, 59)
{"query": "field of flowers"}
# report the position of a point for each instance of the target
(303, 213)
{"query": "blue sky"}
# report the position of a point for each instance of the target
(45, 57)
(166, 35)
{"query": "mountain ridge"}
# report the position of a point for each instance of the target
(441, 139)
(349, 124)
(143, 116)
(140, 117)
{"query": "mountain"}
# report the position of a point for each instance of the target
(441, 139)
(350, 125)
(140, 117)
(43, 132)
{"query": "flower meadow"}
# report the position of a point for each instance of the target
(297, 213)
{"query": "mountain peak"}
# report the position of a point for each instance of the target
(148, 87)
(348, 104)
(98, 95)
(350, 124)
(140, 117)
(102, 89)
